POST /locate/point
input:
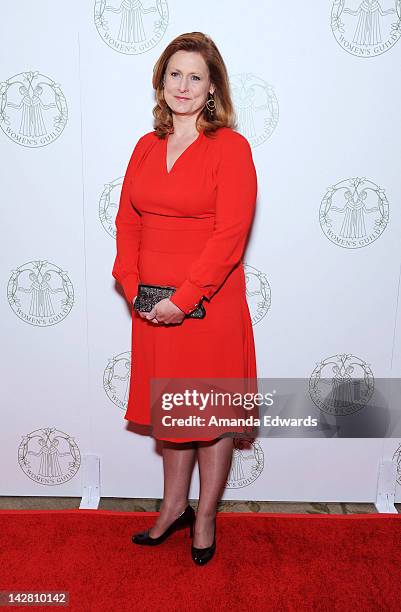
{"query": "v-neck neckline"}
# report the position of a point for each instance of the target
(168, 172)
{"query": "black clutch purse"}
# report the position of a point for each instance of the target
(149, 295)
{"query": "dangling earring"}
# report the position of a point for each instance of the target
(211, 105)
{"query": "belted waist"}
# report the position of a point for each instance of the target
(169, 234)
(177, 223)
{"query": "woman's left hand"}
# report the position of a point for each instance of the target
(164, 312)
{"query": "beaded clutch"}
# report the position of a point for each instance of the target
(149, 295)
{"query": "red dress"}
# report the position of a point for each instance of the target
(188, 228)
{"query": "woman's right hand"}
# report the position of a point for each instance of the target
(174, 314)
(165, 311)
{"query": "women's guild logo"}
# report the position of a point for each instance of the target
(49, 456)
(33, 109)
(128, 26)
(256, 107)
(108, 205)
(397, 458)
(258, 293)
(116, 379)
(354, 213)
(341, 384)
(246, 465)
(366, 28)
(40, 293)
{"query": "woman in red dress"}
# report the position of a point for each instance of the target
(187, 204)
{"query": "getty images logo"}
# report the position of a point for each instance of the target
(33, 109)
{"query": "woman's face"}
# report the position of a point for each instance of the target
(186, 83)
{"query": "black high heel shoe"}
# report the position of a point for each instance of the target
(201, 556)
(186, 518)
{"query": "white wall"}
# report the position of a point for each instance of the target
(319, 112)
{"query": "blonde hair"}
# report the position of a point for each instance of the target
(224, 114)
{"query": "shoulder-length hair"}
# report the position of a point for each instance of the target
(224, 115)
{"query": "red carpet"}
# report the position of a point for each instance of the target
(264, 562)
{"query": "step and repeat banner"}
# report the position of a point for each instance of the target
(317, 94)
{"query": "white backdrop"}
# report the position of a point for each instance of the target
(317, 95)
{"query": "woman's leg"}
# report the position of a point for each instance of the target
(178, 461)
(214, 463)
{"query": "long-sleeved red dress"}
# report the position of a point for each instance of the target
(188, 228)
